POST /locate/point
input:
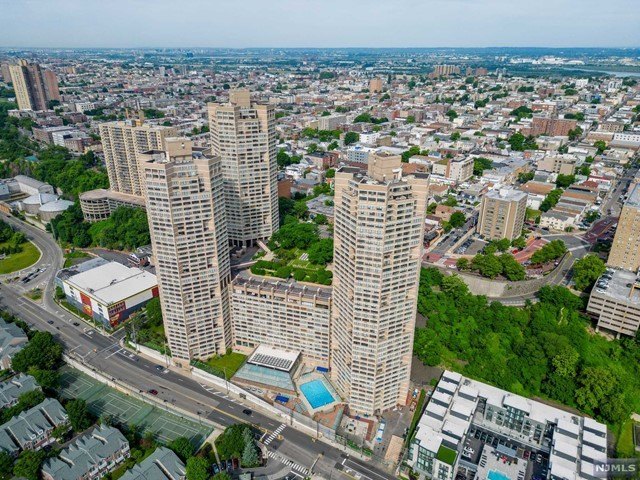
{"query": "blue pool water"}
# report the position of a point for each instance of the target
(494, 475)
(316, 393)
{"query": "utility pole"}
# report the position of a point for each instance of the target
(226, 381)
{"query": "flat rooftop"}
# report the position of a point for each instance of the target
(620, 287)
(279, 285)
(274, 358)
(634, 197)
(113, 282)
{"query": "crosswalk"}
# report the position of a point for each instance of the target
(294, 466)
(275, 433)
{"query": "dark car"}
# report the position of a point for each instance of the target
(216, 468)
(159, 368)
(223, 464)
(236, 464)
(153, 391)
(246, 411)
(50, 322)
(76, 324)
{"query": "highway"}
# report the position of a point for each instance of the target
(105, 354)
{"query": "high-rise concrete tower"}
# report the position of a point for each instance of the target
(122, 143)
(378, 230)
(243, 135)
(33, 85)
(185, 207)
(625, 250)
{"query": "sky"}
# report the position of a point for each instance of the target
(319, 23)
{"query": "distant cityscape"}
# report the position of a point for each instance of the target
(360, 263)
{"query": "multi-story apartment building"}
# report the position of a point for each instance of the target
(457, 169)
(281, 314)
(560, 164)
(35, 87)
(331, 122)
(615, 301)
(625, 250)
(463, 412)
(99, 204)
(122, 143)
(243, 136)
(187, 223)
(379, 224)
(502, 214)
(375, 85)
(555, 127)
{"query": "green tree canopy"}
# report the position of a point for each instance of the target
(586, 271)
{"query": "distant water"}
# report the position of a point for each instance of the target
(615, 73)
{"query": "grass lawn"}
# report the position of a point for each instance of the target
(70, 258)
(230, 361)
(625, 447)
(17, 261)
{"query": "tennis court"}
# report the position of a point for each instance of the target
(126, 410)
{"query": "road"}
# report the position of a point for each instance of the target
(105, 354)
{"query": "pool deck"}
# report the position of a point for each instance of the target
(310, 377)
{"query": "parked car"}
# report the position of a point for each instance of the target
(246, 411)
(216, 468)
(153, 391)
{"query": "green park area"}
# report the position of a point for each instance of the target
(223, 366)
(546, 350)
(13, 262)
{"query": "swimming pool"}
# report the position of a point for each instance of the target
(495, 475)
(317, 393)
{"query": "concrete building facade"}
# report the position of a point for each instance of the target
(502, 214)
(188, 227)
(625, 250)
(34, 86)
(284, 315)
(243, 135)
(379, 224)
(122, 143)
(615, 302)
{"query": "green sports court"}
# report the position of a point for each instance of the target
(103, 400)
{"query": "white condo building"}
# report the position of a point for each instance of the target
(379, 224)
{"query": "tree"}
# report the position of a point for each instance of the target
(351, 137)
(550, 201)
(154, 312)
(330, 173)
(410, 119)
(320, 219)
(6, 464)
(575, 133)
(79, 416)
(511, 269)
(462, 263)
(452, 114)
(601, 145)
(457, 219)
(222, 476)
(197, 468)
(28, 464)
(42, 352)
(487, 265)
(563, 181)
(586, 271)
(230, 444)
(551, 251)
(321, 252)
(182, 447)
(520, 143)
(480, 164)
(455, 136)
(250, 456)
(519, 242)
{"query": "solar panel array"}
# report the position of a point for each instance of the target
(271, 361)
